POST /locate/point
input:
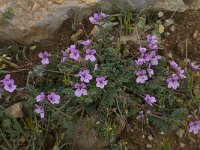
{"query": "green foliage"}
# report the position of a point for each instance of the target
(127, 22)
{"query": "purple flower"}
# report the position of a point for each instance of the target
(141, 76)
(40, 97)
(194, 66)
(146, 57)
(181, 73)
(150, 71)
(39, 110)
(9, 86)
(74, 53)
(54, 98)
(152, 41)
(85, 76)
(140, 116)
(97, 17)
(173, 64)
(94, 19)
(64, 57)
(150, 99)
(72, 47)
(80, 89)
(140, 61)
(90, 55)
(154, 58)
(45, 57)
(101, 82)
(86, 43)
(103, 15)
(173, 82)
(6, 79)
(95, 67)
(142, 50)
(8, 83)
(148, 111)
(194, 127)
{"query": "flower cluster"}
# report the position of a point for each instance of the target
(85, 77)
(172, 81)
(147, 59)
(194, 127)
(8, 84)
(45, 57)
(97, 17)
(53, 98)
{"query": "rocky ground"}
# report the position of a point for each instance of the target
(44, 20)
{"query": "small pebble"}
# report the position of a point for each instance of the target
(162, 133)
(160, 14)
(182, 145)
(149, 146)
(150, 137)
(168, 22)
(172, 28)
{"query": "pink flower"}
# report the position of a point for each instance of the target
(72, 47)
(9, 86)
(146, 57)
(150, 71)
(54, 98)
(142, 50)
(140, 116)
(173, 64)
(80, 89)
(154, 58)
(194, 127)
(8, 83)
(86, 43)
(74, 53)
(101, 82)
(150, 99)
(39, 110)
(173, 82)
(40, 97)
(194, 67)
(181, 73)
(140, 61)
(141, 76)
(45, 57)
(6, 78)
(90, 55)
(97, 17)
(85, 76)
(152, 41)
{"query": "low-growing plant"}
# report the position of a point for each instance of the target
(93, 78)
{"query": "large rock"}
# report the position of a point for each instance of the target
(39, 20)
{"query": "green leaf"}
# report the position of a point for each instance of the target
(6, 123)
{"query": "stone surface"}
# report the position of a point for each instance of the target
(180, 133)
(39, 20)
(16, 110)
(182, 145)
(86, 138)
